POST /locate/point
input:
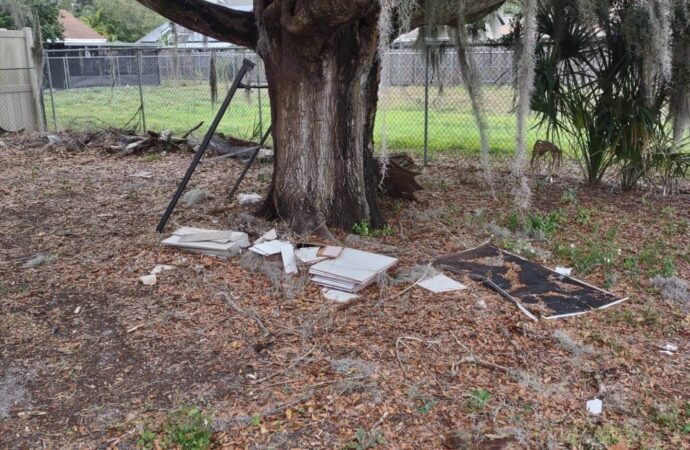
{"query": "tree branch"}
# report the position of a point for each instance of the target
(216, 21)
(448, 13)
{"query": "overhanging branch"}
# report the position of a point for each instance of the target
(447, 13)
(216, 21)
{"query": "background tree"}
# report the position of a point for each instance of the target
(322, 67)
(32, 13)
(119, 20)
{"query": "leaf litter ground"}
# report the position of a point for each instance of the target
(90, 358)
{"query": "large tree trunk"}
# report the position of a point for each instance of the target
(323, 72)
(323, 103)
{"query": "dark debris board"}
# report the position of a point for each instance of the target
(535, 289)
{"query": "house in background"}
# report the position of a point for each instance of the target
(76, 33)
(164, 35)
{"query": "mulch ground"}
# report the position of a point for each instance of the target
(90, 357)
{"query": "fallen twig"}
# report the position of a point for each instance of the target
(472, 359)
(242, 311)
(292, 364)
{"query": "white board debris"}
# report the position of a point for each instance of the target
(338, 296)
(268, 248)
(309, 255)
(441, 283)
(330, 251)
(352, 271)
(269, 236)
(148, 280)
(594, 406)
(288, 254)
(229, 243)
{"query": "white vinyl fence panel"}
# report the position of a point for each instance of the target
(20, 103)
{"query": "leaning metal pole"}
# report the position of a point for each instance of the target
(250, 161)
(246, 67)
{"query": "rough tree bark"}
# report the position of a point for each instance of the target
(323, 73)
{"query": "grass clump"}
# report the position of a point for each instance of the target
(187, 429)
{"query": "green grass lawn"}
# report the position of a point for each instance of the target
(181, 107)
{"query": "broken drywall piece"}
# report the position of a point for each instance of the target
(330, 251)
(565, 271)
(232, 243)
(268, 236)
(161, 268)
(267, 248)
(594, 406)
(288, 254)
(220, 237)
(249, 199)
(338, 296)
(352, 271)
(441, 283)
(309, 255)
(148, 280)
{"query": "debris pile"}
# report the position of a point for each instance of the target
(211, 242)
(351, 271)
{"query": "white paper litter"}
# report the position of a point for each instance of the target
(308, 255)
(288, 254)
(594, 406)
(352, 271)
(338, 296)
(441, 283)
(565, 271)
(148, 280)
(268, 236)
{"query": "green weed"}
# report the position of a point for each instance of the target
(478, 399)
(364, 229)
(188, 429)
(569, 196)
(364, 440)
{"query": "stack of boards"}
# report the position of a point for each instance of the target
(351, 271)
(224, 243)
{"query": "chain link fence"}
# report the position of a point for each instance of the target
(423, 102)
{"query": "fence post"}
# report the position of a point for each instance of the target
(141, 92)
(426, 104)
(50, 86)
(258, 91)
